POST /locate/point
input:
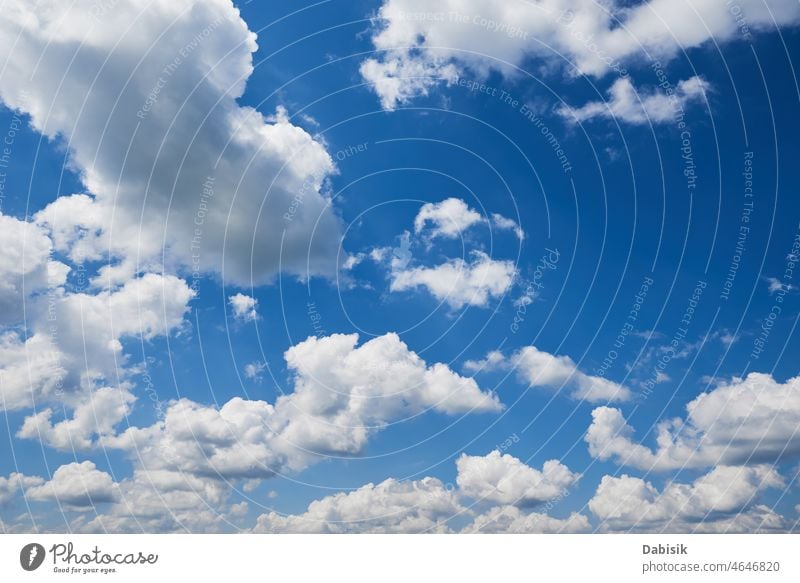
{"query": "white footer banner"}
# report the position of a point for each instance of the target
(380, 558)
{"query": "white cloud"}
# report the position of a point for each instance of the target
(421, 506)
(512, 520)
(723, 500)
(176, 168)
(542, 369)
(253, 370)
(399, 79)
(145, 307)
(376, 381)
(76, 484)
(353, 260)
(494, 360)
(662, 377)
(746, 421)
(76, 340)
(628, 105)
(428, 505)
(460, 283)
(389, 507)
(343, 394)
(74, 352)
(72, 342)
(244, 307)
(93, 418)
(422, 46)
(31, 371)
(14, 484)
(506, 224)
(507, 480)
(25, 265)
(165, 501)
(448, 218)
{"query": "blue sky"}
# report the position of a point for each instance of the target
(473, 187)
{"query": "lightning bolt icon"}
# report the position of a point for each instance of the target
(32, 556)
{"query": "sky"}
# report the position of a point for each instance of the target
(378, 266)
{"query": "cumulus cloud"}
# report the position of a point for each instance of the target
(26, 267)
(402, 77)
(94, 418)
(73, 352)
(542, 369)
(156, 500)
(173, 166)
(723, 500)
(452, 217)
(389, 507)
(507, 480)
(625, 104)
(76, 340)
(448, 218)
(146, 502)
(343, 394)
(428, 505)
(512, 520)
(244, 307)
(31, 370)
(458, 282)
(76, 484)
(75, 343)
(745, 421)
(421, 46)
(73, 356)
(164, 501)
(14, 484)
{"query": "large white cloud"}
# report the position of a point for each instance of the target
(155, 501)
(724, 500)
(75, 342)
(244, 307)
(458, 282)
(449, 218)
(144, 95)
(31, 370)
(164, 501)
(389, 507)
(26, 267)
(159, 500)
(428, 505)
(507, 480)
(746, 421)
(72, 369)
(16, 483)
(422, 45)
(542, 369)
(512, 520)
(93, 418)
(76, 484)
(343, 394)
